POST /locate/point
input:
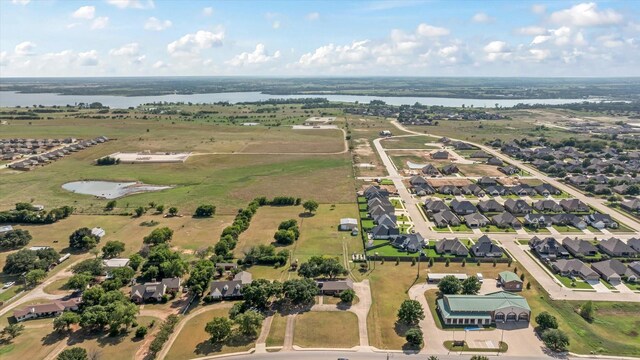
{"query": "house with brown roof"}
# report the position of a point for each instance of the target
(52, 309)
(334, 287)
(154, 291)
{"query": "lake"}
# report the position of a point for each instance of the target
(12, 99)
(110, 189)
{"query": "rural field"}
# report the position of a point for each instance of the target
(336, 329)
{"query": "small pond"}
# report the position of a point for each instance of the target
(110, 189)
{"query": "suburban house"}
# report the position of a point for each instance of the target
(490, 206)
(494, 161)
(547, 205)
(472, 189)
(601, 221)
(579, 248)
(449, 190)
(52, 309)
(548, 248)
(449, 169)
(631, 205)
(334, 287)
(459, 145)
(451, 247)
(569, 219)
(423, 190)
(435, 206)
(495, 190)
(616, 247)
(348, 224)
(480, 154)
(484, 247)
(505, 220)
(487, 181)
(475, 220)
(384, 232)
(154, 291)
(445, 218)
(440, 155)
(486, 309)
(508, 170)
(635, 267)
(634, 243)
(538, 220)
(522, 190)
(547, 189)
(230, 289)
(410, 243)
(463, 207)
(226, 266)
(614, 271)
(510, 281)
(574, 206)
(517, 206)
(575, 268)
(430, 170)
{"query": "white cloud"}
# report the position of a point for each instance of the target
(538, 8)
(539, 54)
(531, 30)
(335, 55)
(73, 25)
(159, 65)
(482, 18)
(139, 59)
(156, 24)
(276, 24)
(497, 50)
(132, 4)
(89, 58)
(100, 23)
(193, 43)
(427, 30)
(585, 14)
(540, 39)
(4, 58)
(610, 41)
(20, 2)
(25, 48)
(84, 12)
(259, 55)
(129, 50)
(312, 16)
(208, 11)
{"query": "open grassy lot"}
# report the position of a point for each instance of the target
(335, 329)
(193, 341)
(276, 332)
(479, 170)
(410, 142)
(224, 180)
(319, 233)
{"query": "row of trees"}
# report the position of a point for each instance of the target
(26, 260)
(450, 285)
(25, 216)
(553, 338)
(14, 239)
(247, 323)
(107, 160)
(410, 313)
(319, 266)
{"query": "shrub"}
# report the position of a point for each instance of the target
(414, 337)
(141, 331)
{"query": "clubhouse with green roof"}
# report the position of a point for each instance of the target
(501, 306)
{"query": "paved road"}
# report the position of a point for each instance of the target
(331, 354)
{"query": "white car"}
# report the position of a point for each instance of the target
(9, 284)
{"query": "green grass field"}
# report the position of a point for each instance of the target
(335, 329)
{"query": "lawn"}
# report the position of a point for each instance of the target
(334, 329)
(410, 142)
(495, 229)
(580, 284)
(449, 345)
(276, 333)
(193, 341)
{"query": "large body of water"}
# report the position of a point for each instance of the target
(11, 99)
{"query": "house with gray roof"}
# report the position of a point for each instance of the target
(569, 220)
(547, 206)
(440, 155)
(614, 271)
(490, 206)
(505, 220)
(384, 232)
(334, 287)
(475, 220)
(548, 248)
(634, 243)
(430, 170)
(230, 289)
(547, 189)
(538, 220)
(517, 206)
(486, 309)
(574, 206)
(635, 267)
(579, 247)
(616, 247)
(154, 291)
(435, 205)
(601, 221)
(410, 242)
(445, 218)
(449, 169)
(451, 247)
(631, 205)
(463, 207)
(495, 190)
(484, 247)
(472, 189)
(575, 268)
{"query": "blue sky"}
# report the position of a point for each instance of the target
(319, 38)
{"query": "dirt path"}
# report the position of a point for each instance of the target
(288, 333)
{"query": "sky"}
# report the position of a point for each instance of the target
(42, 38)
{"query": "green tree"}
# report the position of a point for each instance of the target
(410, 312)
(479, 357)
(110, 205)
(25, 260)
(449, 285)
(470, 286)
(284, 237)
(310, 205)
(91, 266)
(258, 292)
(200, 276)
(141, 331)
(414, 337)
(65, 320)
(112, 249)
(35, 276)
(586, 311)
(555, 339)
(249, 322)
(159, 236)
(173, 211)
(218, 329)
(546, 321)
(300, 291)
(12, 331)
(205, 211)
(135, 261)
(318, 266)
(13, 239)
(74, 353)
(140, 211)
(347, 296)
(160, 209)
(83, 239)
